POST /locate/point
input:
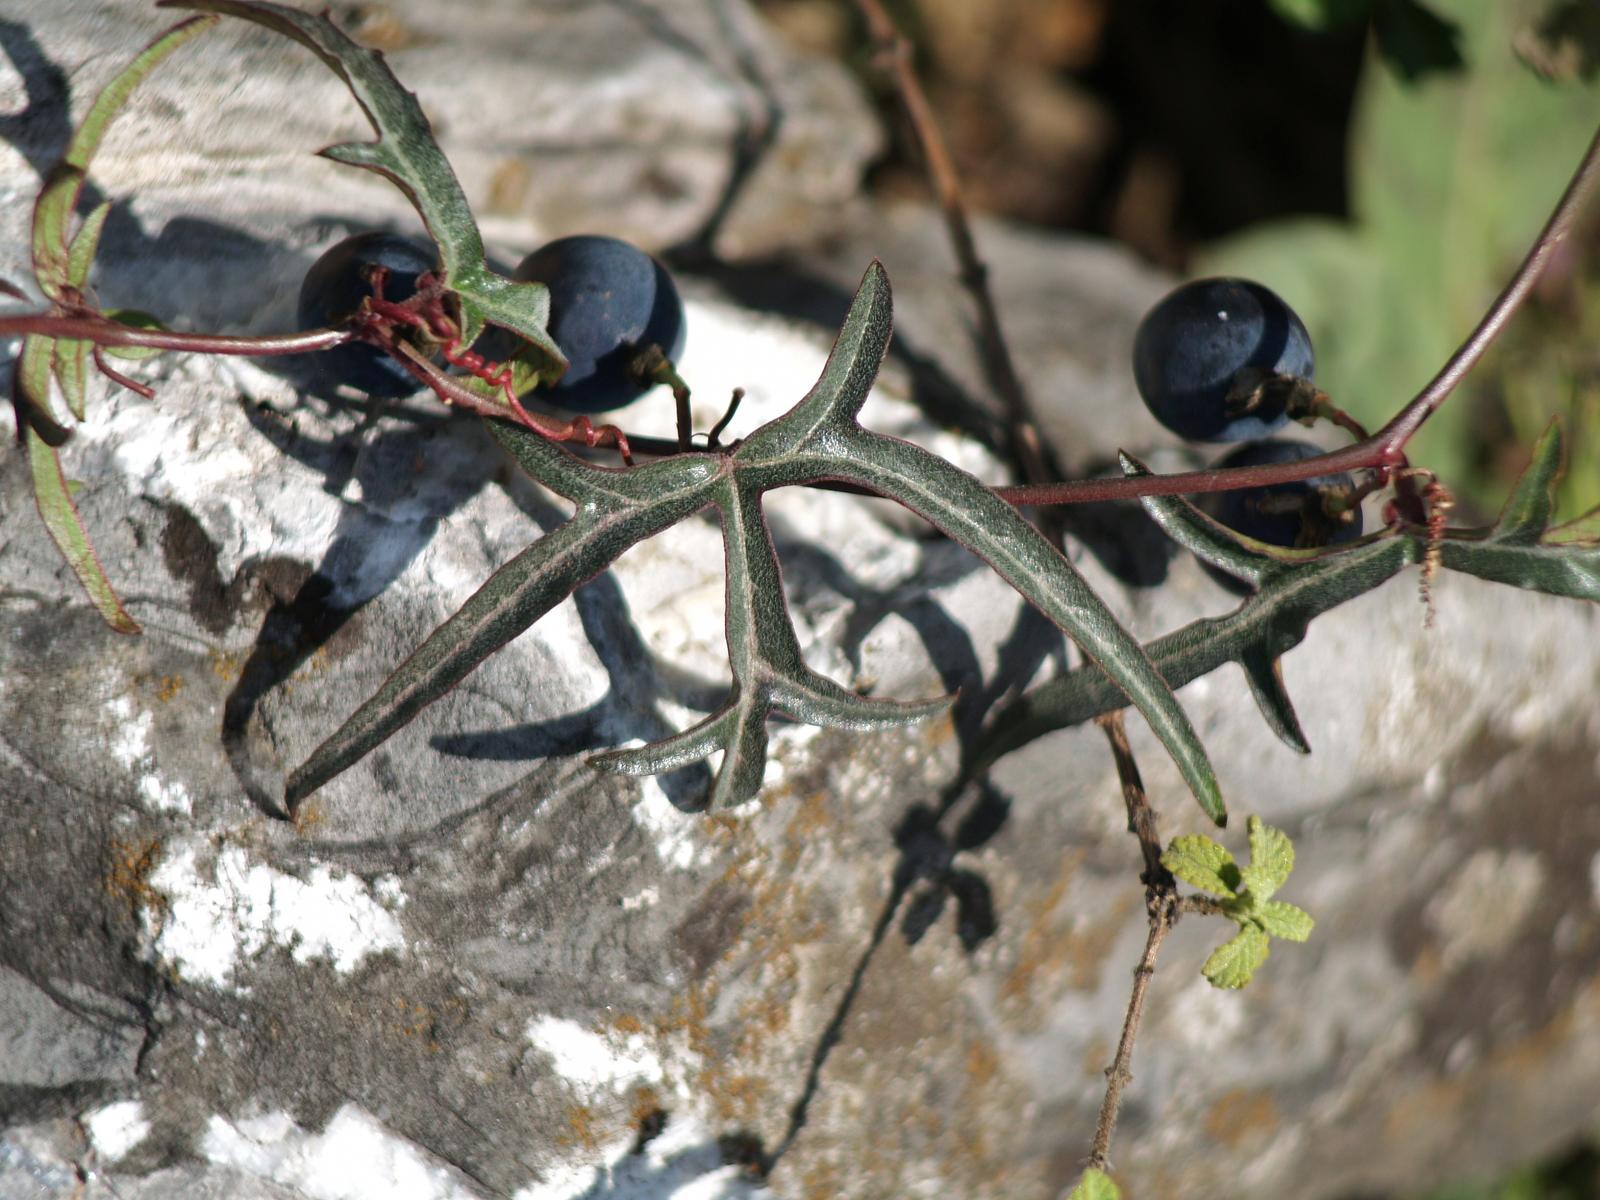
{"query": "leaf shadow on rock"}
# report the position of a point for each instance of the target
(402, 503)
(630, 709)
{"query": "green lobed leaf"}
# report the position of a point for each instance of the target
(1095, 1185)
(406, 154)
(1271, 856)
(820, 439)
(58, 260)
(769, 672)
(1202, 863)
(1233, 963)
(54, 497)
(1282, 920)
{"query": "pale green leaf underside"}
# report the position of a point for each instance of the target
(1283, 920)
(1271, 857)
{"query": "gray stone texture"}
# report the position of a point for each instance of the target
(474, 967)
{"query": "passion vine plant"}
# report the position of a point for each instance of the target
(819, 440)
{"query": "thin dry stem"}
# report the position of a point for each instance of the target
(1027, 445)
(1163, 908)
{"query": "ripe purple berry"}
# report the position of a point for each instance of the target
(1203, 348)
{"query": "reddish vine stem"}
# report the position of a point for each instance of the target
(1163, 908)
(105, 332)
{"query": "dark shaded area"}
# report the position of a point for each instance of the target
(1249, 113)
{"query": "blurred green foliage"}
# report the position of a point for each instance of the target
(1573, 1177)
(1452, 176)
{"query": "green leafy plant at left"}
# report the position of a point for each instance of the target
(62, 257)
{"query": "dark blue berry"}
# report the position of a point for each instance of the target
(1285, 514)
(1201, 351)
(608, 301)
(334, 288)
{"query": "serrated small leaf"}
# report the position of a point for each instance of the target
(59, 261)
(1202, 863)
(1095, 1184)
(1283, 920)
(61, 519)
(138, 320)
(1233, 963)
(1271, 855)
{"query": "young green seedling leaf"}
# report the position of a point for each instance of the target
(1202, 863)
(1271, 859)
(1284, 920)
(1095, 1185)
(1234, 963)
(1246, 897)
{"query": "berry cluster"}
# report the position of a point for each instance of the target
(1224, 360)
(614, 312)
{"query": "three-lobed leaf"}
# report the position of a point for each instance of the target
(819, 438)
(61, 262)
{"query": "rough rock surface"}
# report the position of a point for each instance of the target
(477, 968)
